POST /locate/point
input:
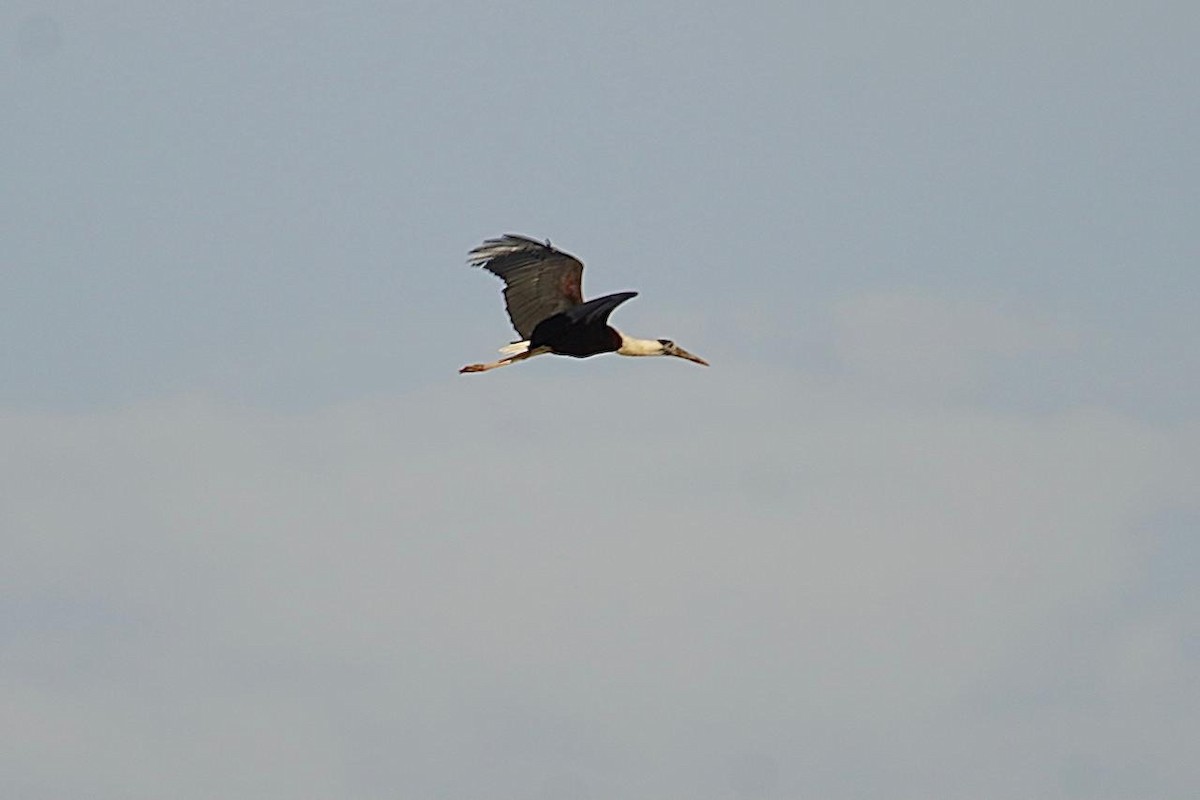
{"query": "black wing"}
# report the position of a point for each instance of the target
(595, 312)
(539, 281)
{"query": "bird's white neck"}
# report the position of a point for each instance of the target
(639, 347)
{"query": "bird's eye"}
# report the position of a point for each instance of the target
(666, 342)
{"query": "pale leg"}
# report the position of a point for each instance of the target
(504, 362)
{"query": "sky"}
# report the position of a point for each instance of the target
(927, 527)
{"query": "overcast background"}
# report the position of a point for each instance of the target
(926, 528)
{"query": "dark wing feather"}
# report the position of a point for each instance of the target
(539, 281)
(595, 312)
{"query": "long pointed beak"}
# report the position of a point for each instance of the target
(681, 353)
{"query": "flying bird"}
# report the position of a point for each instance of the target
(544, 298)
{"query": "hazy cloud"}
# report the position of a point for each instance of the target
(407, 593)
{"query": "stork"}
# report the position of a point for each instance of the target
(544, 298)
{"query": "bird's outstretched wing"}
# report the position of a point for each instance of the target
(539, 281)
(595, 312)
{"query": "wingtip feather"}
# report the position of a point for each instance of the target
(505, 245)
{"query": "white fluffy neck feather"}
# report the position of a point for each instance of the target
(639, 347)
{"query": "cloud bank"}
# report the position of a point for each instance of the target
(598, 582)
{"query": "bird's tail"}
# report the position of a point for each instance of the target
(514, 348)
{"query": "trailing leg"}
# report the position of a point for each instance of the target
(504, 362)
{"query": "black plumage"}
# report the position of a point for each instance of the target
(581, 330)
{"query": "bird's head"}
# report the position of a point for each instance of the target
(669, 348)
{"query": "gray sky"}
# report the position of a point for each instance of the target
(927, 527)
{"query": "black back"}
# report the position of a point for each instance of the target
(581, 330)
